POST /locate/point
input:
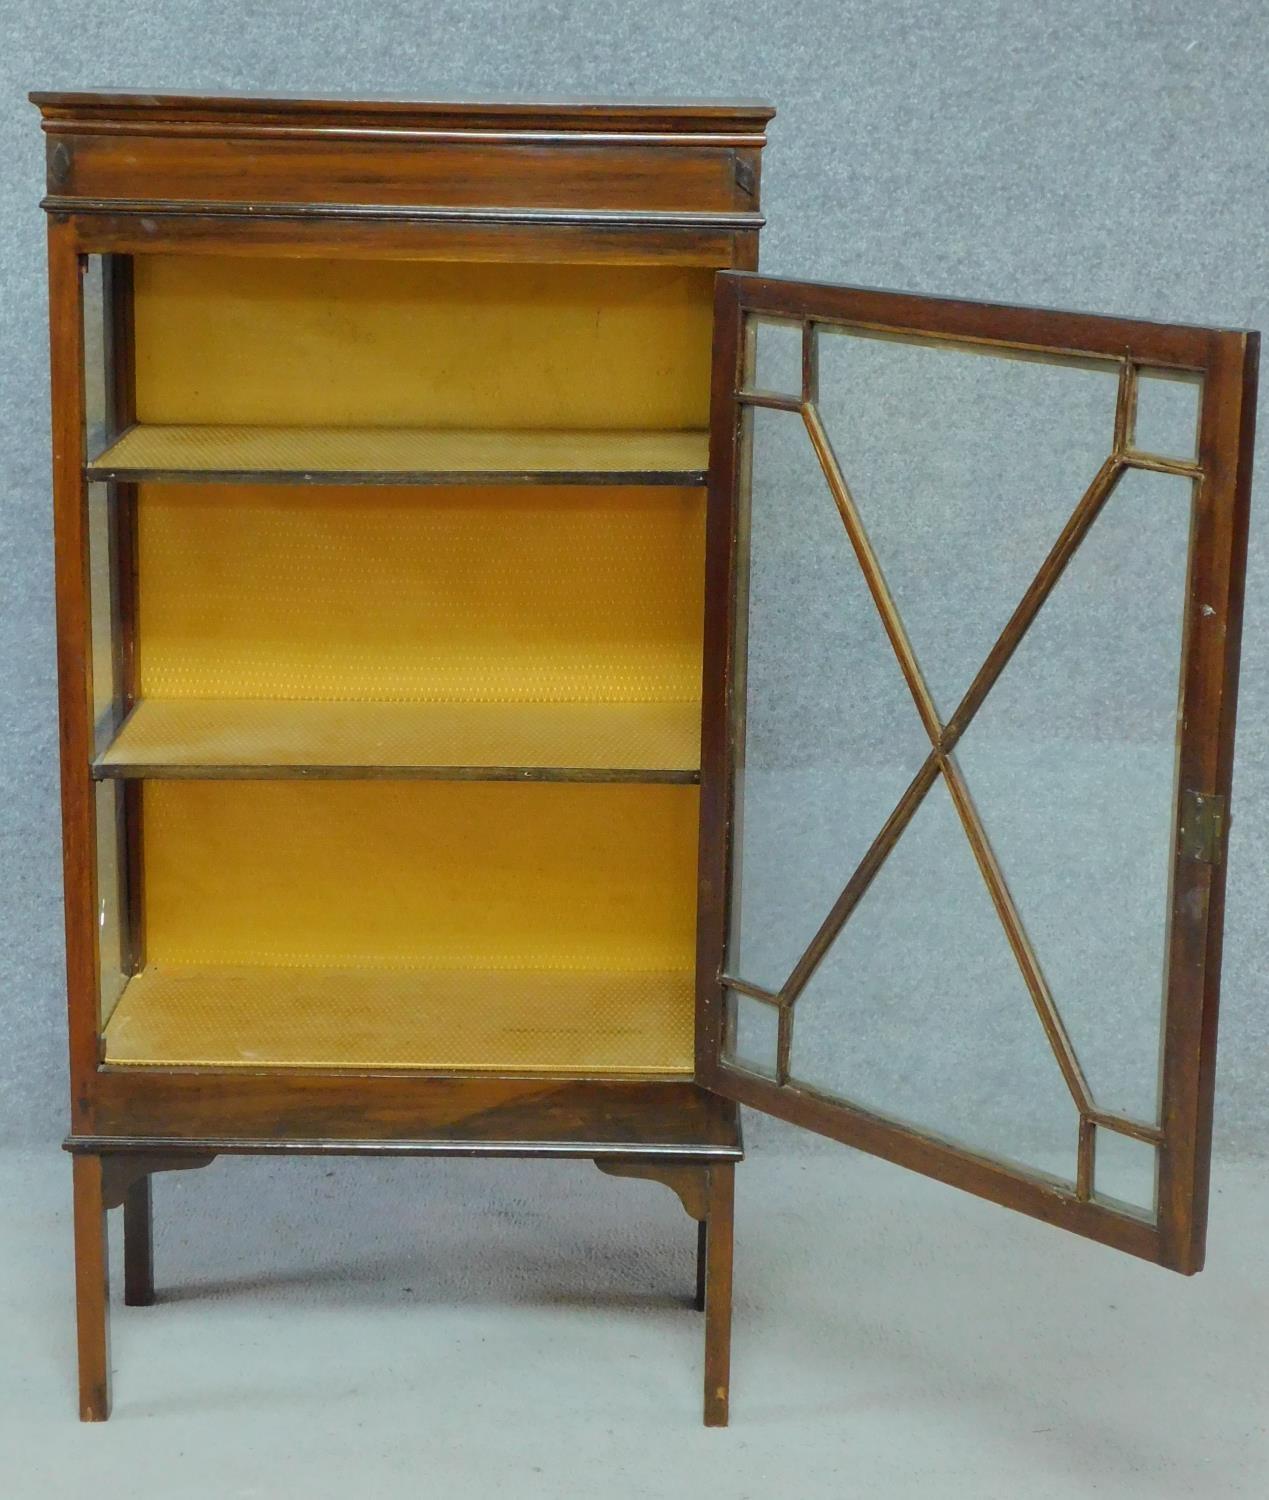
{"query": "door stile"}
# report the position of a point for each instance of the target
(722, 734)
(1213, 634)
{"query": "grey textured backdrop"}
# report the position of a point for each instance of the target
(1094, 154)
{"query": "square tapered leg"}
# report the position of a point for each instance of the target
(720, 1199)
(92, 1290)
(138, 1245)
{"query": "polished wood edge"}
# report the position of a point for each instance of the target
(380, 239)
(271, 1108)
(165, 1146)
(677, 118)
(686, 479)
(286, 1073)
(590, 775)
(1051, 332)
(333, 133)
(1207, 713)
(395, 213)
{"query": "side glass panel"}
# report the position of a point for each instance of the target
(110, 508)
(109, 706)
(961, 626)
(106, 311)
(113, 964)
(104, 610)
(97, 424)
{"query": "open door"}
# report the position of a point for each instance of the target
(973, 612)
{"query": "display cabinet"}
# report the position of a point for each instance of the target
(468, 574)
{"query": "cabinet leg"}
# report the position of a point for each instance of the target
(138, 1245)
(702, 1241)
(92, 1293)
(720, 1202)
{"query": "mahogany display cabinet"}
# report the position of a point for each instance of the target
(477, 591)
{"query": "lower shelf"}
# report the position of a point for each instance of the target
(558, 1022)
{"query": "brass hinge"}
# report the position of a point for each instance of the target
(1203, 818)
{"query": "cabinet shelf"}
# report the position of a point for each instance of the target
(403, 455)
(560, 1022)
(221, 738)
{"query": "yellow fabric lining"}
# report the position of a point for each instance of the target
(240, 339)
(509, 594)
(435, 924)
(437, 874)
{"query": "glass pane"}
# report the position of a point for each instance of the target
(102, 595)
(832, 736)
(753, 1033)
(1071, 761)
(1167, 415)
(111, 964)
(964, 467)
(777, 356)
(904, 545)
(1125, 1170)
(919, 1011)
(95, 416)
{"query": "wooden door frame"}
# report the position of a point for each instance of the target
(1227, 363)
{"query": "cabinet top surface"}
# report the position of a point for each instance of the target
(687, 115)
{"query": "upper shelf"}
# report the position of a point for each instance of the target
(221, 738)
(403, 455)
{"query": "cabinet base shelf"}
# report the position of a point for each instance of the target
(559, 1023)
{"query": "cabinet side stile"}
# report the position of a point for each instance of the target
(74, 657)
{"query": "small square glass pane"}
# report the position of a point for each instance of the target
(1124, 1169)
(752, 1034)
(1168, 416)
(777, 357)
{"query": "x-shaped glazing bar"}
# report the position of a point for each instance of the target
(943, 737)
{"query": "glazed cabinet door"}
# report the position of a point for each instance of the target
(973, 611)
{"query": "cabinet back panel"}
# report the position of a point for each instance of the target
(447, 875)
(518, 594)
(277, 342)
